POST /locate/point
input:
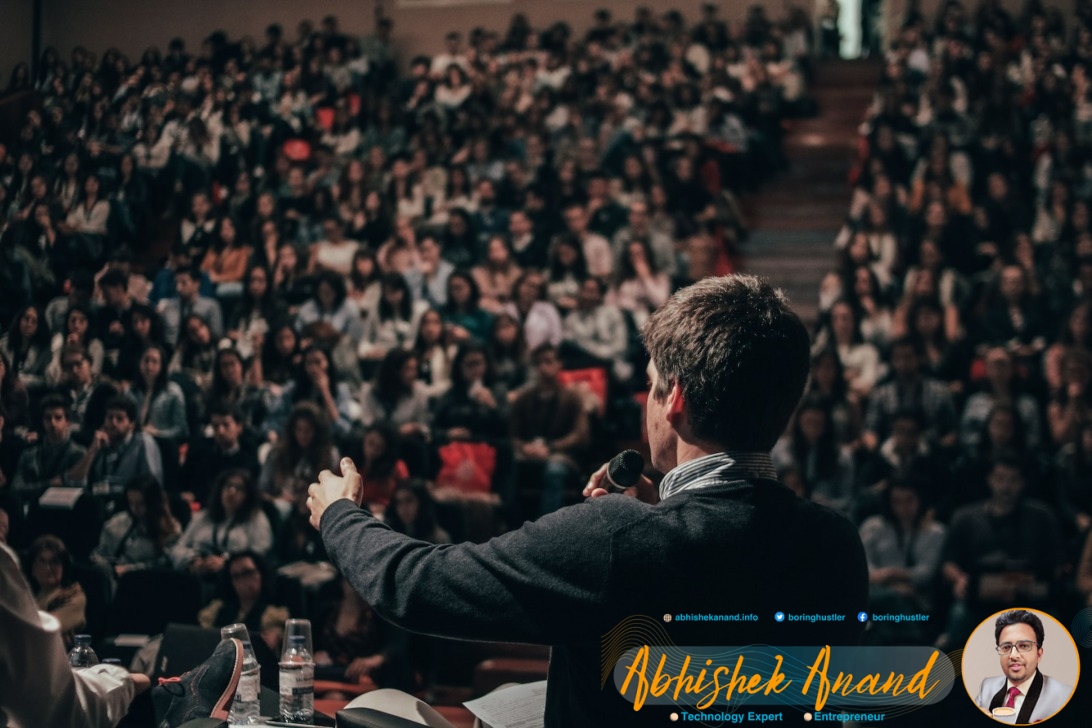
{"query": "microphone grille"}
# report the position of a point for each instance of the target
(626, 467)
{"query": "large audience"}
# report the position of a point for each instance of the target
(949, 407)
(222, 270)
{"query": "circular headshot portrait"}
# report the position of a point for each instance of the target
(1020, 666)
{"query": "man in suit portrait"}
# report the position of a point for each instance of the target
(1030, 694)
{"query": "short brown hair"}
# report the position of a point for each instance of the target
(739, 353)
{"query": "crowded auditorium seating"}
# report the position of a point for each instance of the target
(951, 375)
(222, 268)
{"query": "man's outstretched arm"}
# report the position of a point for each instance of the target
(541, 583)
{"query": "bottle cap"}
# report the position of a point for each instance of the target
(82, 639)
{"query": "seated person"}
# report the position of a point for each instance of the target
(826, 466)
(475, 406)
(353, 642)
(902, 545)
(189, 302)
(381, 469)
(463, 315)
(332, 305)
(231, 523)
(903, 451)
(161, 406)
(985, 565)
(227, 449)
(316, 382)
(303, 450)
(46, 462)
(412, 511)
(397, 395)
(243, 598)
(549, 427)
(49, 572)
(86, 392)
(118, 453)
(909, 388)
(393, 323)
(230, 388)
(48, 691)
(141, 536)
(595, 332)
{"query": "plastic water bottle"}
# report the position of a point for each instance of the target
(82, 655)
(246, 708)
(297, 682)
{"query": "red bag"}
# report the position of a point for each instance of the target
(467, 466)
(594, 378)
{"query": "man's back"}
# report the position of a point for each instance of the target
(727, 549)
(570, 577)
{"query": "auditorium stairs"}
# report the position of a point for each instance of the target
(795, 218)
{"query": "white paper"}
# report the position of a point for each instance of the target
(60, 497)
(520, 706)
(131, 640)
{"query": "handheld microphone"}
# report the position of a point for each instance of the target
(624, 471)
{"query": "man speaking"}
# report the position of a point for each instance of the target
(729, 361)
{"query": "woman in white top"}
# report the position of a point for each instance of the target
(454, 91)
(876, 312)
(365, 285)
(90, 215)
(344, 137)
(232, 522)
(458, 193)
(641, 289)
(859, 358)
(77, 330)
(434, 355)
(903, 547)
(497, 275)
(335, 253)
(393, 323)
(404, 193)
(540, 319)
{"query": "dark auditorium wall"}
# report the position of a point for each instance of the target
(131, 25)
(16, 27)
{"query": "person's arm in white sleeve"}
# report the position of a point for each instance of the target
(37, 685)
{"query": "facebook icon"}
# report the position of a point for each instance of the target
(862, 616)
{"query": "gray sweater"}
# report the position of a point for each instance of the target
(570, 577)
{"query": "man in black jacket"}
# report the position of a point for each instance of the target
(729, 360)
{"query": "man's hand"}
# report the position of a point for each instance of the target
(330, 488)
(644, 490)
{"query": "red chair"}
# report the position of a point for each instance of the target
(324, 115)
(297, 150)
(594, 378)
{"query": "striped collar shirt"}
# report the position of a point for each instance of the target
(717, 469)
